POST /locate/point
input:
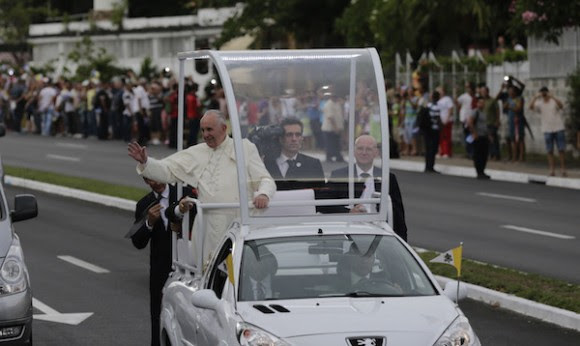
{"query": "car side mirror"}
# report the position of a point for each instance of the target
(450, 290)
(25, 208)
(205, 299)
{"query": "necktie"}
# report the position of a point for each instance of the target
(291, 168)
(364, 176)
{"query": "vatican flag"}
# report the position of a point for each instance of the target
(451, 257)
(230, 268)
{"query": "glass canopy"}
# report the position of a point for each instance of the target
(318, 119)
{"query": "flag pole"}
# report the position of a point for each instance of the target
(459, 274)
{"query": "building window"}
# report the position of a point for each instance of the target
(170, 46)
(202, 65)
(140, 48)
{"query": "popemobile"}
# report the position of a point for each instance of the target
(311, 269)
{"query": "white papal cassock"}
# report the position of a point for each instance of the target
(213, 172)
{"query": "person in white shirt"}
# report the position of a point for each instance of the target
(445, 104)
(141, 111)
(464, 104)
(46, 99)
(549, 109)
(332, 127)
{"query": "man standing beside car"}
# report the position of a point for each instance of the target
(152, 227)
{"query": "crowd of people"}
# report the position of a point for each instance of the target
(479, 115)
(124, 108)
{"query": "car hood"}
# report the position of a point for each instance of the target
(410, 320)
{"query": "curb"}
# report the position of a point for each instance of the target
(560, 317)
(469, 172)
(109, 201)
(546, 313)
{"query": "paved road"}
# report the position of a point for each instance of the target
(527, 227)
(119, 299)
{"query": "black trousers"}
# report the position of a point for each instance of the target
(157, 278)
(494, 151)
(431, 146)
(193, 131)
(332, 143)
(480, 152)
(143, 126)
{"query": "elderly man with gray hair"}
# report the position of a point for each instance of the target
(210, 167)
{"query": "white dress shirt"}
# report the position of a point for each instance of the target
(282, 162)
(369, 188)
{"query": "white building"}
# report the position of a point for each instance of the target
(159, 38)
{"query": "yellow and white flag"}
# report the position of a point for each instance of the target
(451, 257)
(230, 268)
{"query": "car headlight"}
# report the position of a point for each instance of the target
(459, 333)
(250, 335)
(13, 275)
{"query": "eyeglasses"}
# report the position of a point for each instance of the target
(292, 134)
(365, 149)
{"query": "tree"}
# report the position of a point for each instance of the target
(15, 18)
(93, 61)
(544, 19)
(415, 25)
(286, 24)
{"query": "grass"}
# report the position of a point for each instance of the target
(528, 286)
(85, 184)
(534, 287)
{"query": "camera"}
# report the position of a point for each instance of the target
(267, 140)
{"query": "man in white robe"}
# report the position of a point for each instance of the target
(211, 168)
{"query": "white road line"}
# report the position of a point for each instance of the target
(535, 231)
(71, 145)
(514, 198)
(83, 264)
(43, 307)
(64, 158)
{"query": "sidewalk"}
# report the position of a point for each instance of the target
(521, 172)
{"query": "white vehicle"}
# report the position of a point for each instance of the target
(294, 274)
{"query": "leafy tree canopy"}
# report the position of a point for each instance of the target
(544, 18)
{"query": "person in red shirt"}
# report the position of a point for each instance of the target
(192, 113)
(172, 99)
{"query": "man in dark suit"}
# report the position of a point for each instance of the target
(291, 169)
(365, 152)
(155, 230)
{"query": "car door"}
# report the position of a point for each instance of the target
(211, 330)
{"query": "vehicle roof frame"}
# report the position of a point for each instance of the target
(216, 58)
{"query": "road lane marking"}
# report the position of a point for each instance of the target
(50, 314)
(514, 198)
(71, 145)
(83, 264)
(535, 231)
(64, 158)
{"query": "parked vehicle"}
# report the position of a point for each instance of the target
(15, 291)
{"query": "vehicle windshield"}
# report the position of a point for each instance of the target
(329, 266)
(303, 110)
